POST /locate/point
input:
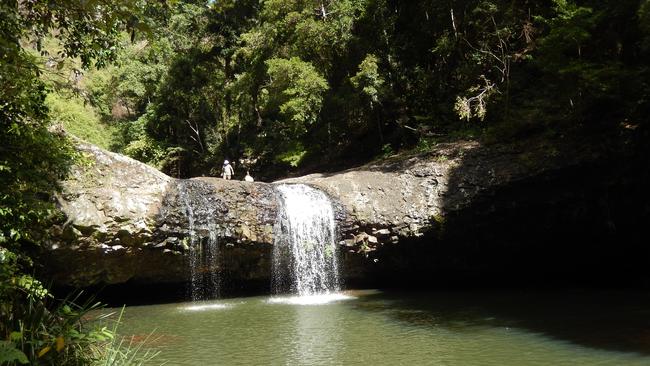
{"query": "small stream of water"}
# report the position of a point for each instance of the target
(203, 254)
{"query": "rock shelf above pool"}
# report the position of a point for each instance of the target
(126, 221)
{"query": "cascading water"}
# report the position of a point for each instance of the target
(305, 259)
(203, 252)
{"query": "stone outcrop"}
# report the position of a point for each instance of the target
(128, 222)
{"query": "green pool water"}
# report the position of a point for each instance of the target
(399, 328)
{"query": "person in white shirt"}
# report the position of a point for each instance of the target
(227, 171)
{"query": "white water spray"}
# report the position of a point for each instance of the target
(305, 258)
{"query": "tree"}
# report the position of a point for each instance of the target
(298, 89)
(33, 159)
(347, 77)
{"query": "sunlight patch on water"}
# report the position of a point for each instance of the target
(320, 299)
(205, 307)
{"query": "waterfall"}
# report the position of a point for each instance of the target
(305, 251)
(203, 245)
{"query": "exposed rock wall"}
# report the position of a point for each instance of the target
(127, 221)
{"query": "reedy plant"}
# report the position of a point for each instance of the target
(71, 331)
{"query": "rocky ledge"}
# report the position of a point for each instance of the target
(128, 222)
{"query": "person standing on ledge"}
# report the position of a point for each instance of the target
(227, 171)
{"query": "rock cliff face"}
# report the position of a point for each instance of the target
(128, 222)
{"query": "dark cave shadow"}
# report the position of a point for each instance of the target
(574, 212)
(570, 210)
(605, 320)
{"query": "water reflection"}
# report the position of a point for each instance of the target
(618, 321)
(316, 335)
(473, 328)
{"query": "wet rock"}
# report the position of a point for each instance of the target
(127, 221)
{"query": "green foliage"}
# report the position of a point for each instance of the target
(123, 91)
(569, 30)
(42, 331)
(37, 328)
(32, 159)
(120, 352)
(33, 326)
(9, 354)
(79, 119)
(387, 151)
(253, 79)
(145, 148)
(368, 79)
(299, 90)
(91, 38)
(294, 156)
(580, 48)
(56, 333)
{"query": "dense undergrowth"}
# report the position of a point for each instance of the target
(289, 86)
(35, 327)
